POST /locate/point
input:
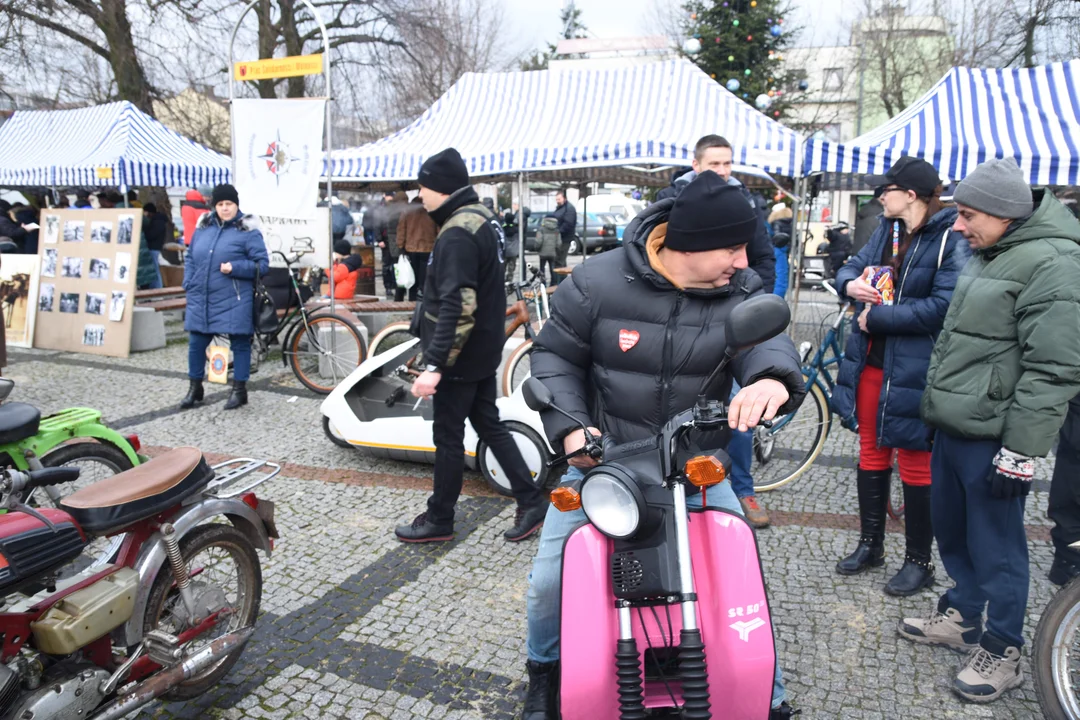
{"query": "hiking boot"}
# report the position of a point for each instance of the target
(194, 395)
(238, 396)
(1062, 570)
(423, 530)
(917, 572)
(873, 487)
(783, 711)
(539, 701)
(987, 675)
(948, 629)
(754, 512)
(527, 520)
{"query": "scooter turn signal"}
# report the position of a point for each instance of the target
(704, 471)
(566, 499)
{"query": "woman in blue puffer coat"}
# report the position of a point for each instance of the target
(219, 280)
(883, 373)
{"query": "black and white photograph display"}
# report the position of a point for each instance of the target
(100, 231)
(124, 224)
(52, 228)
(45, 297)
(123, 267)
(116, 306)
(48, 262)
(94, 335)
(95, 303)
(99, 269)
(73, 231)
(69, 302)
(72, 267)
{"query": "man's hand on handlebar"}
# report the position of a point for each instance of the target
(574, 442)
(755, 403)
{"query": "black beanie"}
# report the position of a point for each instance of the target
(444, 172)
(710, 214)
(224, 192)
(342, 247)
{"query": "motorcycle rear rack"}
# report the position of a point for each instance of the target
(227, 483)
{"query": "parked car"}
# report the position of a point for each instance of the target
(602, 235)
(618, 220)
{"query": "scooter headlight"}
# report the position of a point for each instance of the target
(613, 503)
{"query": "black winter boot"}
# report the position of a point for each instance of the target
(873, 486)
(917, 572)
(194, 395)
(238, 396)
(540, 700)
(527, 520)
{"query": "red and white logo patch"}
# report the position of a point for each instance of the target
(628, 339)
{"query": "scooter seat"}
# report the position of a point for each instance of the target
(18, 421)
(139, 493)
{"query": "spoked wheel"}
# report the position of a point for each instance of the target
(225, 575)
(784, 451)
(324, 352)
(518, 368)
(895, 507)
(533, 451)
(389, 338)
(1055, 659)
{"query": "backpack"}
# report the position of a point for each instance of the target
(548, 238)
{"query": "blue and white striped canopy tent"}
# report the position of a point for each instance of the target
(556, 120)
(972, 115)
(114, 144)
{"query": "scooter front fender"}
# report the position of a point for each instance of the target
(152, 555)
(732, 612)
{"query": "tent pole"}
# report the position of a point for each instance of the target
(797, 246)
(521, 227)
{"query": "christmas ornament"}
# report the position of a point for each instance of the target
(771, 93)
(762, 101)
(725, 4)
(692, 46)
(717, 41)
(803, 85)
(733, 84)
(753, 3)
(735, 23)
(746, 71)
(731, 58)
(776, 30)
(749, 38)
(712, 75)
(776, 114)
(693, 16)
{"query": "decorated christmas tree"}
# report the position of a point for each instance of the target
(740, 44)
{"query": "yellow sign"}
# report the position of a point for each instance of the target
(278, 67)
(103, 173)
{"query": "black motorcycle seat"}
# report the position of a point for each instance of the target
(139, 493)
(18, 421)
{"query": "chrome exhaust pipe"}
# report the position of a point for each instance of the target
(160, 683)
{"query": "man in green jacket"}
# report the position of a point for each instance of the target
(1001, 375)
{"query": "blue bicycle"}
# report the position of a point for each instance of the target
(784, 451)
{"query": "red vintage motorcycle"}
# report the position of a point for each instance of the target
(166, 614)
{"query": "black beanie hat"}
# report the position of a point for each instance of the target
(444, 172)
(343, 247)
(710, 214)
(224, 192)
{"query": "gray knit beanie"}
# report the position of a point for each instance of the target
(998, 188)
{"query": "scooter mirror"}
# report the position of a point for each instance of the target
(537, 395)
(755, 321)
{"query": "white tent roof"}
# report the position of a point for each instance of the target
(972, 115)
(550, 120)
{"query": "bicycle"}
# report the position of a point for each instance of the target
(320, 347)
(1054, 654)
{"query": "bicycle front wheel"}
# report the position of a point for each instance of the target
(784, 451)
(324, 352)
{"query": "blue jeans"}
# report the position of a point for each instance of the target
(545, 580)
(741, 450)
(196, 357)
(157, 283)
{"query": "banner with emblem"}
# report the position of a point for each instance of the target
(277, 155)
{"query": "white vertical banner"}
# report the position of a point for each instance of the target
(277, 154)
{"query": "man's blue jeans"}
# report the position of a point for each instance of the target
(156, 284)
(545, 580)
(741, 450)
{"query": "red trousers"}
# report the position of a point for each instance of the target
(914, 464)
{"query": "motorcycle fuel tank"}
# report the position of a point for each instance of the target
(29, 548)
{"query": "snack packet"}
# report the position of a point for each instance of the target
(881, 279)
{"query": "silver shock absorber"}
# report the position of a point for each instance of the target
(179, 568)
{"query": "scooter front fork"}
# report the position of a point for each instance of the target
(628, 669)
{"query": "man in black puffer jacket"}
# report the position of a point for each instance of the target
(631, 338)
(460, 323)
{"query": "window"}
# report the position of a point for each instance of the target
(834, 80)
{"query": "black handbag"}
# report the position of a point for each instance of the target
(263, 311)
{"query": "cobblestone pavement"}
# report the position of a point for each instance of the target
(357, 625)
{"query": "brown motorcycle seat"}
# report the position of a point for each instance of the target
(139, 493)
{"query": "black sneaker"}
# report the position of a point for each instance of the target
(1062, 570)
(422, 530)
(526, 522)
(783, 712)
(543, 680)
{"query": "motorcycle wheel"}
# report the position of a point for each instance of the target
(96, 461)
(207, 550)
(533, 450)
(334, 435)
(1056, 640)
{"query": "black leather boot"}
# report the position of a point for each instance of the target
(917, 572)
(238, 396)
(873, 486)
(527, 520)
(194, 395)
(540, 700)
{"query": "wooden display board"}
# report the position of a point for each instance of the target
(86, 290)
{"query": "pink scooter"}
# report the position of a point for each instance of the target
(643, 571)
